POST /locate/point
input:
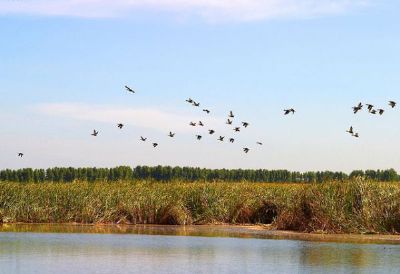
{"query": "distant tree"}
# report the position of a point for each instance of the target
(167, 173)
(389, 175)
(371, 175)
(357, 173)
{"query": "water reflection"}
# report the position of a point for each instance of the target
(129, 252)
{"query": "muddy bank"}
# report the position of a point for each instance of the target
(236, 231)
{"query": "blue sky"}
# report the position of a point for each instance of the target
(63, 67)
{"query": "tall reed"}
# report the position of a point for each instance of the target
(353, 206)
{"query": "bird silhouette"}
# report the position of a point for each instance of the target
(143, 139)
(350, 130)
(355, 135)
(192, 124)
(231, 140)
(120, 126)
(155, 144)
(221, 138)
(201, 124)
(370, 107)
(229, 122)
(381, 111)
(231, 114)
(95, 133)
(246, 150)
(373, 111)
(290, 110)
(259, 143)
(211, 131)
(237, 129)
(190, 100)
(357, 108)
(129, 89)
(245, 124)
(199, 137)
(207, 111)
(20, 154)
(171, 134)
(392, 104)
(196, 104)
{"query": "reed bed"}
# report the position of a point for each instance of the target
(357, 206)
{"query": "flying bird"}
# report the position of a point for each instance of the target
(229, 122)
(190, 100)
(95, 133)
(207, 111)
(245, 124)
(143, 139)
(290, 110)
(357, 108)
(20, 154)
(350, 130)
(120, 126)
(129, 89)
(373, 111)
(231, 114)
(199, 137)
(192, 124)
(392, 104)
(381, 111)
(246, 150)
(171, 134)
(221, 138)
(201, 124)
(237, 129)
(259, 143)
(196, 104)
(231, 140)
(155, 144)
(211, 131)
(370, 107)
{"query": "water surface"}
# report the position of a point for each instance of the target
(130, 252)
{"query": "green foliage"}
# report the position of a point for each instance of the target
(167, 173)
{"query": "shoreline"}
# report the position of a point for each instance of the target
(212, 230)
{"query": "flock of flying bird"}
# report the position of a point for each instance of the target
(193, 124)
(229, 121)
(371, 110)
(231, 117)
(199, 137)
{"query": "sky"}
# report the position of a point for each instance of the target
(64, 64)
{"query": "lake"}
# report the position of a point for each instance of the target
(48, 249)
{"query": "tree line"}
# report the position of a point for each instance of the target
(167, 173)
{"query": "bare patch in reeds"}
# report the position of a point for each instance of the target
(266, 213)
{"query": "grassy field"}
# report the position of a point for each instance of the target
(338, 207)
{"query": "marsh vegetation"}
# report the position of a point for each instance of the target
(356, 206)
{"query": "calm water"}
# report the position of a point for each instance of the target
(44, 253)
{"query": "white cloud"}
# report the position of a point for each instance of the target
(213, 10)
(149, 118)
